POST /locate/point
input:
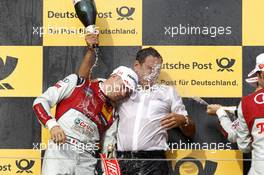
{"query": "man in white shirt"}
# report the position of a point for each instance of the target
(145, 117)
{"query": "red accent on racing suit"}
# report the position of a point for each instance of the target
(250, 137)
(82, 110)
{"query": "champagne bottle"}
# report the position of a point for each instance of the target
(110, 151)
(230, 109)
(86, 12)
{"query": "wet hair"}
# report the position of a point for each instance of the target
(144, 53)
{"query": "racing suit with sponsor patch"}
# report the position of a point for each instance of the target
(250, 134)
(229, 123)
(84, 113)
(229, 126)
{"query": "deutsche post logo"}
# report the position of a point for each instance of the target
(7, 69)
(225, 64)
(24, 165)
(125, 12)
(208, 169)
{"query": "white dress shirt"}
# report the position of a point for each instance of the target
(140, 116)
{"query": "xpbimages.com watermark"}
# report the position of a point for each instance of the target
(213, 147)
(173, 146)
(210, 31)
(54, 30)
(68, 146)
(79, 31)
(120, 88)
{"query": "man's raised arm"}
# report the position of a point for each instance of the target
(88, 60)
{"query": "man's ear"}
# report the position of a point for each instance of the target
(259, 75)
(113, 76)
(136, 65)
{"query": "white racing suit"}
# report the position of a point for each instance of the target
(230, 126)
(229, 123)
(251, 130)
(84, 114)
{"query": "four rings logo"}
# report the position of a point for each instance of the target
(24, 165)
(259, 98)
(125, 12)
(7, 69)
(225, 64)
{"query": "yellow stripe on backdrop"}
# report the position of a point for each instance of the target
(202, 71)
(217, 162)
(20, 161)
(253, 25)
(119, 22)
(22, 75)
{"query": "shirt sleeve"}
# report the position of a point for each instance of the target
(53, 95)
(243, 134)
(227, 125)
(177, 105)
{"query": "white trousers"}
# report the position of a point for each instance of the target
(59, 160)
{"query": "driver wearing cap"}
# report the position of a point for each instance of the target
(84, 112)
(250, 134)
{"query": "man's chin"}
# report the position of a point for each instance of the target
(120, 100)
(115, 99)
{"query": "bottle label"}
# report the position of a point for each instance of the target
(92, 29)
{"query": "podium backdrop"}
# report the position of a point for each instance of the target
(208, 47)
